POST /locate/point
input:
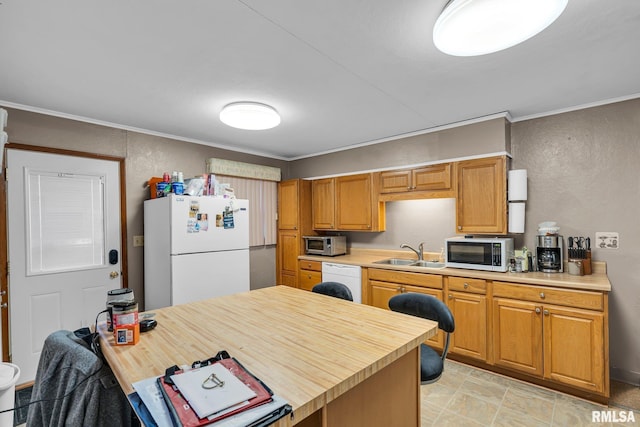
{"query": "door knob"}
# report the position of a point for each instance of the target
(114, 274)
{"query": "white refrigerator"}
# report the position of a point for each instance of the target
(194, 248)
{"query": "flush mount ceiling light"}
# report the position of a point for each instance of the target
(478, 27)
(250, 116)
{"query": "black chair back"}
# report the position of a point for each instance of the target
(333, 289)
(431, 308)
(425, 306)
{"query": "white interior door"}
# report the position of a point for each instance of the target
(63, 217)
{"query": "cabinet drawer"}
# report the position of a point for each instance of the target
(406, 278)
(304, 264)
(464, 284)
(307, 279)
(568, 297)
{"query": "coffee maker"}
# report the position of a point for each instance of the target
(549, 253)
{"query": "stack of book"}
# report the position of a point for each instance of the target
(222, 394)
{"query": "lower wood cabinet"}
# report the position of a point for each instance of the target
(556, 334)
(384, 284)
(553, 336)
(467, 300)
(309, 274)
(287, 257)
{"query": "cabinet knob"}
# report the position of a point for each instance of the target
(466, 285)
(308, 276)
(546, 312)
(450, 296)
(408, 187)
(542, 295)
(459, 227)
(538, 310)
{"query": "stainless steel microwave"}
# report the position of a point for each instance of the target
(325, 245)
(490, 254)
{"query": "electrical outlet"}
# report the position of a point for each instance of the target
(607, 240)
(138, 241)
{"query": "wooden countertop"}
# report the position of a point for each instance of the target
(309, 348)
(598, 281)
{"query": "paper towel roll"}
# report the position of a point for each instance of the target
(516, 217)
(517, 190)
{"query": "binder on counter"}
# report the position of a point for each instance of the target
(182, 411)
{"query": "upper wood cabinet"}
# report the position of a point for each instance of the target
(324, 203)
(424, 182)
(481, 202)
(288, 196)
(348, 203)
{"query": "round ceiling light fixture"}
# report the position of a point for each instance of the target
(479, 27)
(250, 116)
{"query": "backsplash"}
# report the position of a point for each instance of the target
(411, 221)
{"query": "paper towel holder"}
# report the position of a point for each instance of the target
(517, 196)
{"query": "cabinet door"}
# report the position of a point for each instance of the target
(288, 205)
(434, 177)
(437, 341)
(395, 181)
(481, 205)
(353, 202)
(470, 316)
(381, 292)
(288, 250)
(517, 335)
(323, 203)
(574, 347)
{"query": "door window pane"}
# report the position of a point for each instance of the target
(65, 215)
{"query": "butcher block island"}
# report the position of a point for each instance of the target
(337, 363)
(550, 329)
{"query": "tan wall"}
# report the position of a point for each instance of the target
(145, 156)
(583, 172)
(475, 139)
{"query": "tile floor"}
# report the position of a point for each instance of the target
(466, 396)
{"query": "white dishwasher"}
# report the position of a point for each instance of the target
(349, 275)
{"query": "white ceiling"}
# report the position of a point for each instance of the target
(340, 72)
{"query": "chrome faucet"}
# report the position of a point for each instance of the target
(418, 252)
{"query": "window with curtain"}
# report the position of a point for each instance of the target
(263, 206)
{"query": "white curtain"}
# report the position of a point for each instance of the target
(263, 206)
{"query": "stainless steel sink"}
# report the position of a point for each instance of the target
(429, 264)
(395, 261)
(410, 262)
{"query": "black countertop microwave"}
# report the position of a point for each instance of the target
(489, 254)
